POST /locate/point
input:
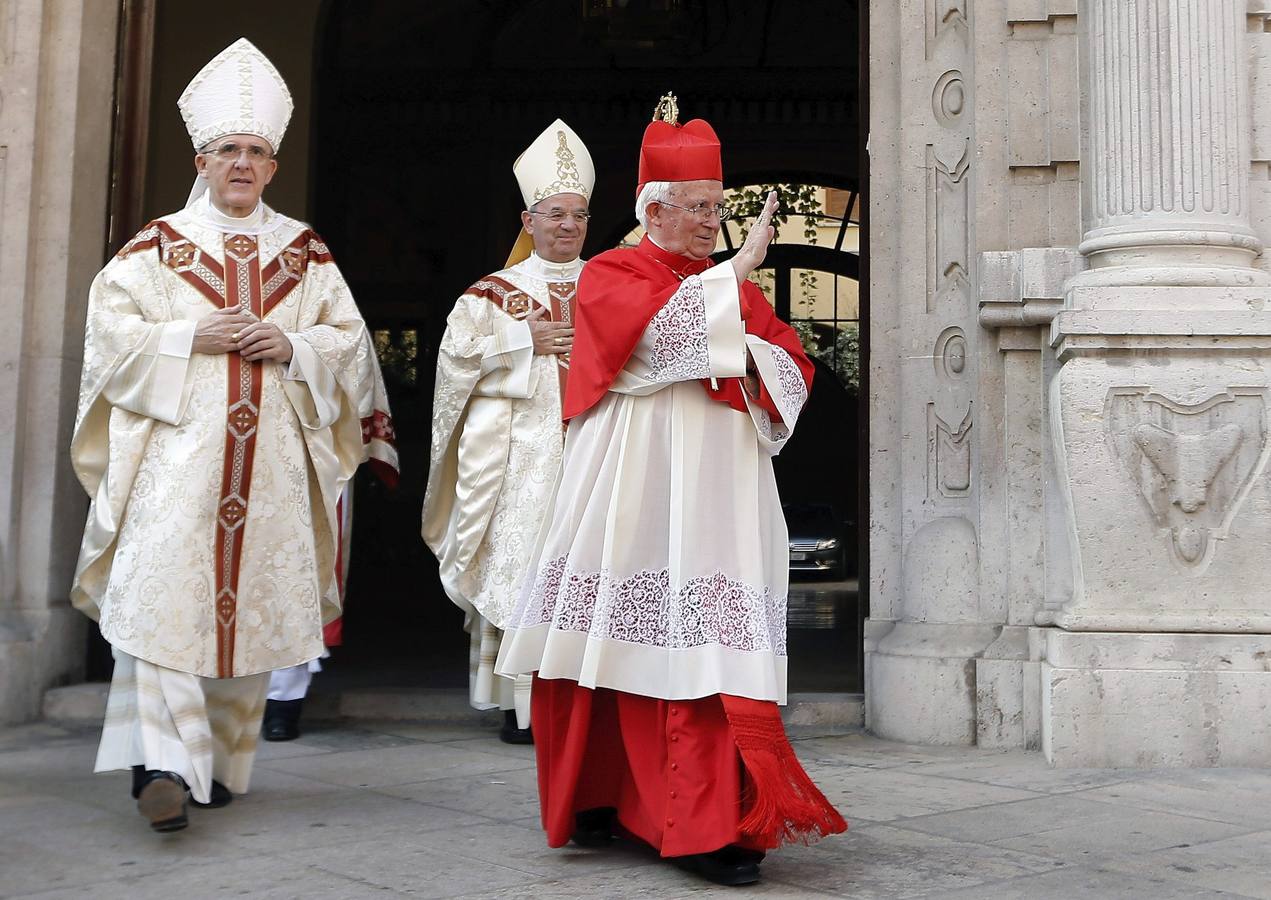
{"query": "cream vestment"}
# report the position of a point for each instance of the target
(496, 447)
(210, 541)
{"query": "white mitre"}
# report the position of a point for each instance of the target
(556, 163)
(238, 92)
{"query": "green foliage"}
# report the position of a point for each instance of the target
(397, 352)
(792, 199)
(799, 200)
(845, 356)
(838, 347)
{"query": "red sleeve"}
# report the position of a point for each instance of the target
(619, 293)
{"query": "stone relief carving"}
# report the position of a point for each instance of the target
(1193, 463)
(945, 16)
(948, 99)
(948, 233)
(950, 353)
(948, 455)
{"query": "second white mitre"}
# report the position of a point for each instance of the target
(239, 92)
(556, 163)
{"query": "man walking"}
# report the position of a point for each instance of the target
(229, 391)
(655, 617)
(497, 433)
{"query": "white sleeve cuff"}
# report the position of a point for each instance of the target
(177, 338)
(507, 365)
(153, 380)
(311, 386)
(725, 330)
(785, 384)
(295, 371)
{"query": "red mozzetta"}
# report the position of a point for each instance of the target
(619, 293)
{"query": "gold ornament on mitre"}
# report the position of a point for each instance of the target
(556, 163)
(667, 110)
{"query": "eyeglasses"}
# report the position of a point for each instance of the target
(230, 152)
(704, 211)
(557, 216)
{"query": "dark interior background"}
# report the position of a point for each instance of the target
(409, 116)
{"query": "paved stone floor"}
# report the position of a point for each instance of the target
(402, 809)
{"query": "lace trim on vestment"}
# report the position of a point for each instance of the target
(678, 331)
(789, 394)
(793, 391)
(644, 609)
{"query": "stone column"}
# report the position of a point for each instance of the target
(57, 65)
(1160, 405)
(1166, 167)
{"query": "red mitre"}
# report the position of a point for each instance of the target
(671, 152)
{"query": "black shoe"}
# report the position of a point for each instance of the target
(161, 799)
(282, 720)
(139, 778)
(729, 866)
(510, 734)
(219, 796)
(594, 827)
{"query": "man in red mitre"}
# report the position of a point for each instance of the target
(654, 616)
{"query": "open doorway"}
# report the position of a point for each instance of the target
(419, 111)
(409, 116)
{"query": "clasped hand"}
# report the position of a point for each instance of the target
(231, 330)
(549, 336)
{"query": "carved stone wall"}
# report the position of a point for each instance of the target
(1159, 405)
(925, 179)
(1104, 468)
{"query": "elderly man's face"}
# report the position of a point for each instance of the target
(558, 225)
(690, 232)
(237, 168)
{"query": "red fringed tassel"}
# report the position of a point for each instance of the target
(781, 803)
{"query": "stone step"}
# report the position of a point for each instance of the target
(86, 704)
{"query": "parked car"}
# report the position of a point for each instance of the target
(818, 540)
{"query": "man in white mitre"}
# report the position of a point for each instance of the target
(654, 615)
(497, 432)
(229, 391)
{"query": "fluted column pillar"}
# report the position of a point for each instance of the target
(1161, 405)
(1165, 159)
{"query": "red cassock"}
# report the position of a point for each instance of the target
(687, 775)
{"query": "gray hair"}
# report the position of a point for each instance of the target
(653, 192)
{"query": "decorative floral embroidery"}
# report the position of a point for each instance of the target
(793, 391)
(643, 609)
(679, 336)
(378, 426)
(790, 393)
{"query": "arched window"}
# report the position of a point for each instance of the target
(810, 274)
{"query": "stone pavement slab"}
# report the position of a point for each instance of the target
(422, 809)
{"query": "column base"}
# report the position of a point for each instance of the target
(1121, 699)
(37, 651)
(920, 682)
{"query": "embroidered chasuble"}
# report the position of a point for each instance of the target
(210, 546)
(496, 448)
